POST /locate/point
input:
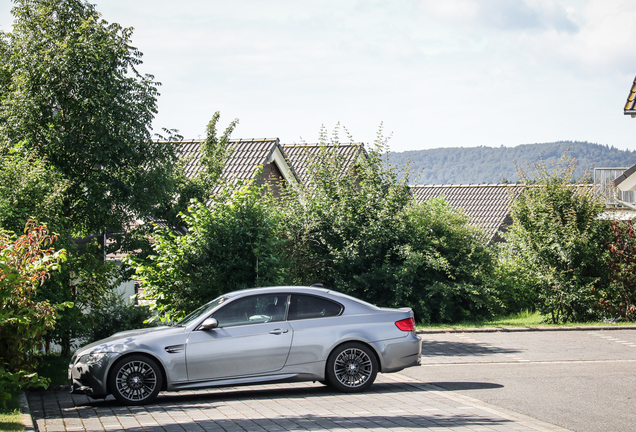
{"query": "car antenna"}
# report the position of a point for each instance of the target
(317, 285)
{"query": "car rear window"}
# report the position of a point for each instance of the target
(308, 306)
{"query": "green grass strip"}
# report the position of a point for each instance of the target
(523, 319)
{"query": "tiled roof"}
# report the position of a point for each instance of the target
(247, 155)
(630, 108)
(300, 156)
(487, 206)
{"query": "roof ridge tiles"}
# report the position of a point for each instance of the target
(321, 145)
(491, 185)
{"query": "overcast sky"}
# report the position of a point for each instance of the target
(438, 73)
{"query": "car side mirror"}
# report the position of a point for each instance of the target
(209, 324)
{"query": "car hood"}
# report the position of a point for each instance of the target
(118, 341)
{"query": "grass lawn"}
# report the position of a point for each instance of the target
(523, 319)
(11, 417)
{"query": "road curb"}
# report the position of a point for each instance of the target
(27, 420)
(522, 329)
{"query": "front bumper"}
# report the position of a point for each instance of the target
(90, 378)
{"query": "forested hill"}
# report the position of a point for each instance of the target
(476, 165)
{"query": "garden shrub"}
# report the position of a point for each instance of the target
(557, 237)
(617, 300)
(25, 263)
(356, 228)
(230, 244)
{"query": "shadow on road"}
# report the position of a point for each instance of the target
(456, 386)
(273, 394)
(461, 349)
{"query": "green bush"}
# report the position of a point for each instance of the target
(357, 229)
(115, 316)
(89, 283)
(445, 265)
(516, 288)
(557, 237)
(230, 244)
(25, 263)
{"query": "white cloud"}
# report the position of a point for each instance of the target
(509, 15)
(439, 73)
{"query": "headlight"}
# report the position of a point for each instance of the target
(92, 358)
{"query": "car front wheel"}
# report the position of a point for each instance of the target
(135, 380)
(352, 367)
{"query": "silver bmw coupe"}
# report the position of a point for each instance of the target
(255, 336)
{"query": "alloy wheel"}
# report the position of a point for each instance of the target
(136, 380)
(353, 367)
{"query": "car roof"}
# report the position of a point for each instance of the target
(324, 292)
(279, 289)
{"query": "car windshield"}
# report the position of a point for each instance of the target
(203, 310)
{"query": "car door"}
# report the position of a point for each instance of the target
(252, 338)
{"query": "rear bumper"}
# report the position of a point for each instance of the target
(397, 354)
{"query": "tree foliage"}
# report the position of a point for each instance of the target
(29, 188)
(215, 150)
(76, 144)
(557, 237)
(230, 244)
(70, 94)
(354, 227)
(25, 263)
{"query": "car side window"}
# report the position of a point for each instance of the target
(308, 306)
(253, 310)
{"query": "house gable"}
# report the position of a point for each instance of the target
(247, 155)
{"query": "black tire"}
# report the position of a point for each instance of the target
(351, 367)
(135, 380)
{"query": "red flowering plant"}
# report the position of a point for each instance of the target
(25, 263)
(619, 298)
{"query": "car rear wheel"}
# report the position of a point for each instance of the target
(135, 380)
(352, 367)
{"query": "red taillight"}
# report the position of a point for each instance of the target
(406, 324)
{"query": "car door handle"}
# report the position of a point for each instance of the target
(278, 331)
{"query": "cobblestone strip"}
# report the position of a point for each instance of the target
(395, 403)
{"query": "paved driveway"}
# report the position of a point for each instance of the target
(396, 403)
(581, 380)
(468, 382)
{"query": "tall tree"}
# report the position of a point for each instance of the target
(76, 139)
(70, 93)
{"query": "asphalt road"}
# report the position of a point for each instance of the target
(581, 380)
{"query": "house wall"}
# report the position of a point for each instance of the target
(273, 176)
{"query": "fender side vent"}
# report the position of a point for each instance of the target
(172, 349)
